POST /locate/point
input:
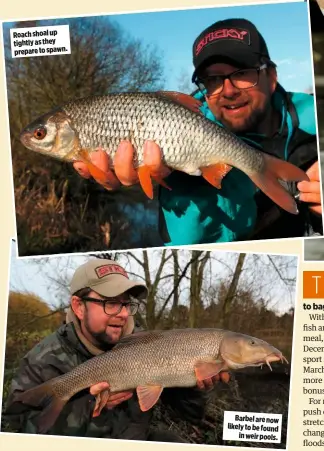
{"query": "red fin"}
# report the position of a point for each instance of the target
(144, 176)
(268, 182)
(206, 370)
(101, 401)
(148, 396)
(105, 179)
(183, 99)
(160, 180)
(215, 173)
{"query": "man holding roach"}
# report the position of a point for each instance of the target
(238, 88)
(103, 303)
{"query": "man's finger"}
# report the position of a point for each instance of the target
(200, 385)
(120, 395)
(82, 169)
(314, 198)
(313, 172)
(309, 187)
(113, 403)
(124, 164)
(97, 388)
(316, 209)
(153, 159)
(208, 384)
(225, 377)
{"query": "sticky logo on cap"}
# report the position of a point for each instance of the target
(106, 270)
(237, 34)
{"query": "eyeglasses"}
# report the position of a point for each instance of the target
(240, 79)
(114, 307)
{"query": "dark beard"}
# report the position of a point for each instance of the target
(103, 340)
(253, 122)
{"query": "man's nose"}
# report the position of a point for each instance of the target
(229, 90)
(124, 312)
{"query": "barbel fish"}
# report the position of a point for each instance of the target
(189, 142)
(150, 361)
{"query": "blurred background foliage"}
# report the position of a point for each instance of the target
(56, 210)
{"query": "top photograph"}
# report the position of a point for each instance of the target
(165, 128)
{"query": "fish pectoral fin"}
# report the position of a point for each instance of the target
(106, 179)
(185, 100)
(206, 370)
(101, 401)
(145, 175)
(215, 173)
(148, 396)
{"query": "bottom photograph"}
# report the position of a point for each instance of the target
(163, 345)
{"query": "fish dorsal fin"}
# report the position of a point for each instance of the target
(207, 369)
(185, 100)
(148, 395)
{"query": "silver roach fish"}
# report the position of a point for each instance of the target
(189, 142)
(148, 362)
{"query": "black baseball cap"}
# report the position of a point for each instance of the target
(233, 40)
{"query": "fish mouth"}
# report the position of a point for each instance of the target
(274, 357)
(270, 358)
(25, 138)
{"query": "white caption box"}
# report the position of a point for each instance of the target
(40, 41)
(252, 427)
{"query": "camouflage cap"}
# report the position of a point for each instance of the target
(107, 278)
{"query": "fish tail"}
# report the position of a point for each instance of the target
(44, 395)
(267, 181)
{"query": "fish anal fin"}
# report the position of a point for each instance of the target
(145, 175)
(148, 396)
(215, 173)
(157, 177)
(185, 100)
(206, 370)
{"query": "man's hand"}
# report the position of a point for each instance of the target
(109, 401)
(124, 172)
(311, 191)
(209, 383)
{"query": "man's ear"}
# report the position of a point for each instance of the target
(273, 79)
(78, 307)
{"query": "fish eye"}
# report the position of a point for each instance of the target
(252, 342)
(40, 133)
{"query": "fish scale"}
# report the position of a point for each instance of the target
(184, 136)
(146, 359)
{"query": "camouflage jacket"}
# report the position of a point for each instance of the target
(58, 354)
